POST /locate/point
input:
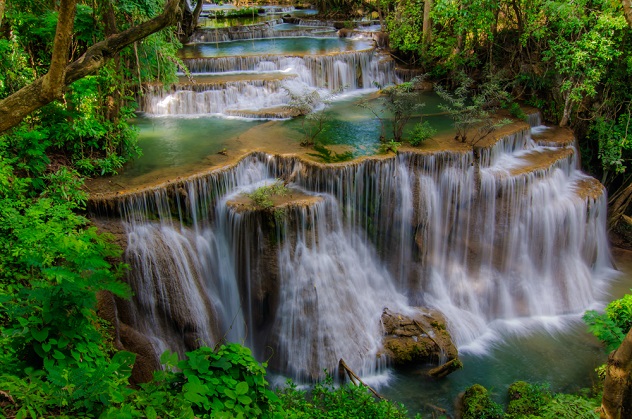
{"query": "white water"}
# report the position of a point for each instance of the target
(495, 246)
(344, 72)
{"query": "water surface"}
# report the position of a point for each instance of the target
(274, 46)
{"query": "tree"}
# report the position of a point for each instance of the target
(61, 74)
(473, 112)
(401, 103)
(617, 387)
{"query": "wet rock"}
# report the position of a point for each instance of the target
(418, 340)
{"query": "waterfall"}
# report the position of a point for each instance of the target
(214, 98)
(257, 82)
(333, 292)
(519, 236)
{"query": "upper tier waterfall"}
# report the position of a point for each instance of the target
(511, 234)
(298, 65)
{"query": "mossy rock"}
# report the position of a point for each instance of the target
(477, 404)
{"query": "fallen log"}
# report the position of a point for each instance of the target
(342, 365)
(445, 369)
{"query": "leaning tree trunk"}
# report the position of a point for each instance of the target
(50, 87)
(617, 388)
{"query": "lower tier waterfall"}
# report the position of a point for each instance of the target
(512, 233)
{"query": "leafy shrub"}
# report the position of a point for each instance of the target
(328, 402)
(422, 132)
(391, 146)
(477, 404)
(227, 383)
(611, 326)
(262, 197)
(527, 399)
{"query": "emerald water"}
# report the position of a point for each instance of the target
(170, 142)
(274, 46)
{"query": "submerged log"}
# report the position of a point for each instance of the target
(446, 369)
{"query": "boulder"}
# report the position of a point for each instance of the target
(419, 339)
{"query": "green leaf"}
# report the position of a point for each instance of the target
(230, 394)
(39, 335)
(245, 400)
(150, 412)
(241, 388)
(222, 363)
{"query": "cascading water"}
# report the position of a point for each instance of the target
(261, 82)
(332, 293)
(510, 234)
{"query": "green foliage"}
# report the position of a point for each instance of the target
(515, 110)
(532, 401)
(262, 197)
(612, 139)
(472, 110)
(232, 13)
(325, 401)
(611, 326)
(477, 404)
(53, 265)
(389, 147)
(304, 104)
(526, 400)
(423, 131)
(399, 105)
(572, 407)
(227, 383)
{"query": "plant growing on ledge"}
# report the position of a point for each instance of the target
(262, 196)
(400, 105)
(303, 104)
(471, 111)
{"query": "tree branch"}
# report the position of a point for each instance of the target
(16, 107)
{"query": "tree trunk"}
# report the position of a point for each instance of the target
(627, 9)
(190, 20)
(566, 115)
(16, 107)
(53, 81)
(618, 204)
(2, 6)
(114, 99)
(427, 26)
(615, 403)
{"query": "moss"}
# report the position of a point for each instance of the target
(477, 404)
(527, 399)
